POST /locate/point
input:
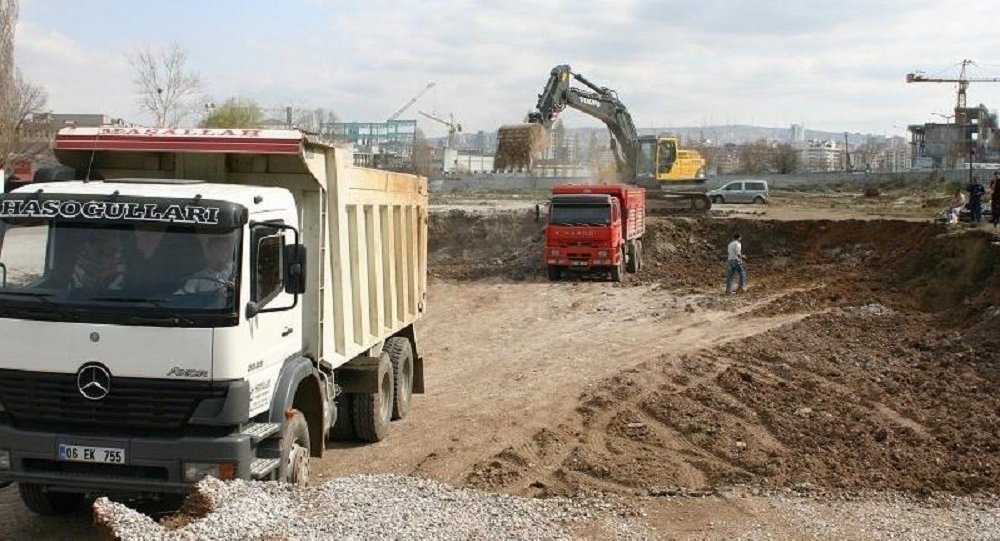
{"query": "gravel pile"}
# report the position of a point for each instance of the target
(878, 516)
(371, 507)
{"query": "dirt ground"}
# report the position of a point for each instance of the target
(860, 366)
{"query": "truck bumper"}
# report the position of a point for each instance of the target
(581, 264)
(154, 465)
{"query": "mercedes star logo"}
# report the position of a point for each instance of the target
(94, 381)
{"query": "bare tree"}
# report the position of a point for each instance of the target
(755, 157)
(785, 159)
(167, 88)
(319, 120)
(24, 99)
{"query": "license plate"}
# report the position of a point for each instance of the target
(82, 453)
(579, 263)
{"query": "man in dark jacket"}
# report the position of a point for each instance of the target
(976, 192)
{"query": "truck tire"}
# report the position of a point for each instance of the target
(401, 355)
(373, 411)
(40, 501)
(555, 273)
(618, 270)
(343, 428)
(632, 257)
(295, 445)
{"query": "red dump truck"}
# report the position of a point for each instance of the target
(595, 228)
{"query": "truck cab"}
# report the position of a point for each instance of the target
(160, 329)
(594, 228)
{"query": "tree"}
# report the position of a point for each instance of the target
(785, 159)
(167, 88)
(23, 99)
(423, 154)
(234, 113)
(755, 157)
(317, 120)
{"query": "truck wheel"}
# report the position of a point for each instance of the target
(632, 257)
(295, 445)
(555, 273)
(618, 270)
(343, 428)
(401, 355)
(373, 411)
(43, 502)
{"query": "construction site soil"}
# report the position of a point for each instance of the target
(889, 381)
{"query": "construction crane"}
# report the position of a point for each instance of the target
(453, 127)
(963, 85)
(413, 100)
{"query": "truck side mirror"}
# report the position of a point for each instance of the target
(295, 269)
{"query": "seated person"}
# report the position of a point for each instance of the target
(217, 273)
(99, 264)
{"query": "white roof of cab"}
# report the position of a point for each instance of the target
(271, 198)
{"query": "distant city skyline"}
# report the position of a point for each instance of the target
(828, 66)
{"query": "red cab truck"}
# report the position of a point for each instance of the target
(595, 228)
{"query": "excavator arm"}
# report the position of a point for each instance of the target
(518, 143)
(599, 102)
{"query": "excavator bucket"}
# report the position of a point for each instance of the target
(518, 145)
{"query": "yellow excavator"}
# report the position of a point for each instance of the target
(656, 163)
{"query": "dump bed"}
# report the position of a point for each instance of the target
(365, 230)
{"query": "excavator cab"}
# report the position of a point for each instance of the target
(662, 161)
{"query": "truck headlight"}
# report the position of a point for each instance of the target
(602, 253)
(4, 459)
(195, 471)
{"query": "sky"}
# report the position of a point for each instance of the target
(836, 66)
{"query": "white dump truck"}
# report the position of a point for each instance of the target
(202, 302)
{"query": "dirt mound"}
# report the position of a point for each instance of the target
(860, 398)
(893, 383)
(468, 246)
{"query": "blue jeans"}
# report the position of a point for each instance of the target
(732, 267)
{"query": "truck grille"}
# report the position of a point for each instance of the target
(42, 399)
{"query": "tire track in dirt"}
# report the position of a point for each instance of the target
(510, 359)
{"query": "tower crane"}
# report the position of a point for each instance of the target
(963, 85)
(413, 100)
(453, 126)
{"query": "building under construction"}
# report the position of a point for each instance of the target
(971, 137)
(951, 145)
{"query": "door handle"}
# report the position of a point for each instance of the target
(287, 331)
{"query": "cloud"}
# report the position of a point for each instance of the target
(829, 65)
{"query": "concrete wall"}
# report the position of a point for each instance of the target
(520, 182)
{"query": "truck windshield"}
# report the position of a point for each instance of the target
(93, 271)
(580, 215)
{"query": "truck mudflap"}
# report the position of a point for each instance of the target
(150, 465)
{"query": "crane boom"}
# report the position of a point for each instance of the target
(963, 86)
(413, 100)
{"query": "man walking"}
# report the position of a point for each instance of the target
(976, 192)
(995, 200)
(734, 265)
